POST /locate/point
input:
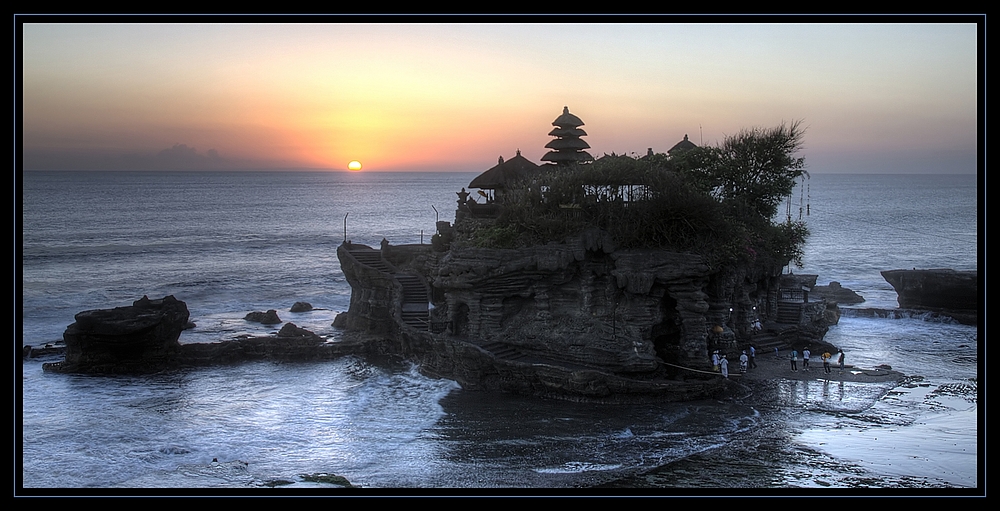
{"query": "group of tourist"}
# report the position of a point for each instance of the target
(826, 356)
(748, 360)
(826, 361)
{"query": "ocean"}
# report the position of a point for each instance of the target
(228, 243)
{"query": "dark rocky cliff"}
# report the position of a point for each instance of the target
(944, 290)
(578, 318)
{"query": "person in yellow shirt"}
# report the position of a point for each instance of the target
(826, 356)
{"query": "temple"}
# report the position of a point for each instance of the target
(578, 317)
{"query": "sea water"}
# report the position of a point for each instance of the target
(228, 243)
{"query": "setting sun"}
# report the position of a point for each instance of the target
(354, 165)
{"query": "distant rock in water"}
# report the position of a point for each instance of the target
(936, 289)
(144, 338)
(141, 337)
(267, 318)
(291, 330)
(836, 293)
(301, 307)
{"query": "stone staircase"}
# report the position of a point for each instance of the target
(503, 351)
(414, 309)
(372, 258)
(766, 342)
(789, 312)
(415, 300)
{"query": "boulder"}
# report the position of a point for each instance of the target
(142, 337)
(301, 307)
(291, 330)
(266, 318)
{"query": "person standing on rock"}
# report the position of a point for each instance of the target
(753, 357)
(795, 360)
(744, 359)
(840, 360)
(805, 359)
(725, 367)
(715, 360)
(826, 356)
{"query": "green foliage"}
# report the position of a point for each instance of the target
(496, 236)
(753, 170)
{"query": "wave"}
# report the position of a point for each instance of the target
(929, 316)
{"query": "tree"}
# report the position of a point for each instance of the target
(718, 202)
(753, 170)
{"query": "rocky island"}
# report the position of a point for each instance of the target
(612, 278)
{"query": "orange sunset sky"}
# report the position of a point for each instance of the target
(887, 98)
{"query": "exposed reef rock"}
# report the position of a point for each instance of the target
(834, 292)
(266, 318)
(579, 319)
(952, 292)
(143, 338)
(291, 330)
(937, 288)
(138, 338)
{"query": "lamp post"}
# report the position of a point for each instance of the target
(437, 217)
(345, 227)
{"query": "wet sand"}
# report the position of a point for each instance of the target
(769, 456)
(771, 367)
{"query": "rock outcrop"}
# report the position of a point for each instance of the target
(301, 307)
(139, 338)
(265, 318)
(143, 338)
(935, 288)
(834, 292)
(579, 319)
(942, 290)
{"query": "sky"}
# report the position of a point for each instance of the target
(874, 98)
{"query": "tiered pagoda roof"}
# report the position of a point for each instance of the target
(568, 147)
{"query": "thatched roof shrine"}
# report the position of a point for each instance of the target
(504, 173)
(683, 145)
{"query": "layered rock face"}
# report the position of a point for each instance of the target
(580, 317)
(945, 290)
(138, 338)
(578, 304)
(936, 288)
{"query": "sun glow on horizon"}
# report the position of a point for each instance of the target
(453, 97)
(355, 165)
